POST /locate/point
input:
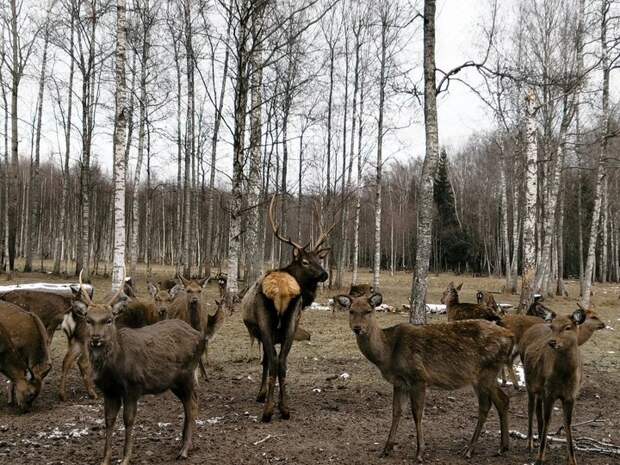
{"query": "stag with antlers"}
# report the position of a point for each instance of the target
(272, 308)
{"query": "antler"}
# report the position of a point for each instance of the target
(276, 228)
(87, 298)
(323, 235)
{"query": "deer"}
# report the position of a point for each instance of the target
(487, 299)
(445, 356)
(465, 311)
(129, 363)
(49, 307)
(553, 370)
(537, 308)
(271, 310)
(356, 290)
(25, 385)
(28, 341)
(221, 279)
(166, 305)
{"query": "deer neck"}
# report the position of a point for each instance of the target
(374, 345)
(194, 309)
(107, 356)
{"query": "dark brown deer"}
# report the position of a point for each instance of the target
(465, 311)
(553, 370)
(442, 356)
(25, 386)
(129, 363)
(221, 279)
(487, 299)
(29, 341)
(537, 308)
(272, 307)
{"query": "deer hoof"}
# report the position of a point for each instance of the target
(467, 452)
(286, 415)
(387, 450)
(260, 398)
(182, 455)
(266, 418)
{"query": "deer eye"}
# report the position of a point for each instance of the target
(109, 321)
(305, 262)
(568, 327)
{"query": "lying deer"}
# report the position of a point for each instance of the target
(271, 311)
(465, 311)
(28, 341)
(487, 299)
(129, 363)
(553, 370)
(443, 356)
(537, 308)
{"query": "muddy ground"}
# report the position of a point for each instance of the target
(341, 407)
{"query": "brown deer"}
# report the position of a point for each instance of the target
(272, 307)
(465, 311)
(166, 305)
(442, 356)
(29, 341)
(49, 307)
(553, 370)
(25, 385)
(193, 313)
(130, 363)
(356, 290)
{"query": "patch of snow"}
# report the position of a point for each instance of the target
(316, 390)
(318, 306)
(214, 420)
(63, 289)
(344, 375)
(163, 425)
(438, 309)
(611, 352)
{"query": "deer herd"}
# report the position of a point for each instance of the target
(127, 347)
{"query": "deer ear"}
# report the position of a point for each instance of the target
(344, 300)
(375, 300)
(152, 289)
(458, 288)
(296, 253)
(175, 290)
(578, 316)
(322, 253)
(80, 308)
(203, 282)
(119, 307)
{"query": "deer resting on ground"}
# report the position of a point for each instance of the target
(465, 311)
(129, 363)
(443, 356)
(272, 307)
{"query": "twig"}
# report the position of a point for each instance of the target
(587, 422)
(583, 444)
(269, 436)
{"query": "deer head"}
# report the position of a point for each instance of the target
(306, 265)
(564, 330)
(361, 311)
(100, 317)
(162, 298)
(193, 289)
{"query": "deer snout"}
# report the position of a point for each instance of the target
(96, 340)
(357, 330)
(553, 344)
(323, 276)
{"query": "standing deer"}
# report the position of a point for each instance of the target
(272, 307)
(465, 311)
(130, 363)
(553, 370)
(443, 356)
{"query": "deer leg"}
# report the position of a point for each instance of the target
(87, 373)
(262, 392)
(73, 352)
(531, 402)
(111, 406)
(567, 407)
(484, 405)
(190, 406)
(512, 375)
(130, 406)
(397, 405)
(285, 348)
(539, 415)
(272, 364)
(417, 396)
(501, 403)
(547, 407)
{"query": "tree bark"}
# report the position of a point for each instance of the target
(425, 196)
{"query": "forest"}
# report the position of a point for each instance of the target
(160, 135)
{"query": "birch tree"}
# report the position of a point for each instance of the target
(118, 269)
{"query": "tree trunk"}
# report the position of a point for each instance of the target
(601, 171)
(189, 144)
(425, 195)
(358, 196)
(529, 211)
(118, 267)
